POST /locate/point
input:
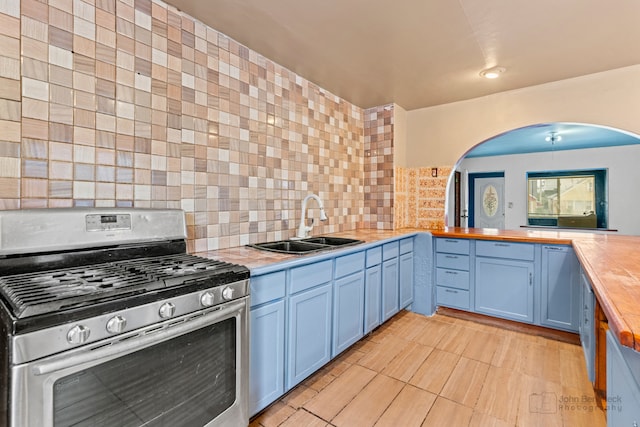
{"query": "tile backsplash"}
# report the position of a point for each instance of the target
(134, 103)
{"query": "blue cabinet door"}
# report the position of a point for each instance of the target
(389, 288)
(309, 333)
(406, 279)
(623, 390)
(560, 293)
(587, 326)
(504, 288)
(266, 373)
(372, 291)
(348, 311)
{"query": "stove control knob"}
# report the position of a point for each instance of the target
(78, 334)
(227, 293)
(207, 299)
(116, 324)
(168, 309)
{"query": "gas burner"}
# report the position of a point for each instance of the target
(31, 294)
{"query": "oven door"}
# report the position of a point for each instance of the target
(188, 371)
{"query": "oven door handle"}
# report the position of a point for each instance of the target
(123, 346)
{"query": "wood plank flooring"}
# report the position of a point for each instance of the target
(444, 371)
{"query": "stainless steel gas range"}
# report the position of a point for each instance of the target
(107, 321)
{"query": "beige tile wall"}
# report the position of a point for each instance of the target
(133, 103)
(378, 168)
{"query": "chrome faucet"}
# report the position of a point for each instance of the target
(303, 229)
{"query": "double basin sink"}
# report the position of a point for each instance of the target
(305, 246)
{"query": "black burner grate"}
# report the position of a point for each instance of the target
(31, 294)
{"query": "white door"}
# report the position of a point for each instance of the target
(488, 203)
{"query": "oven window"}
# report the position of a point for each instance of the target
(186, 381)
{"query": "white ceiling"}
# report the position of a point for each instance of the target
(419, 53)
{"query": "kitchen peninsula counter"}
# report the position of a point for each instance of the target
(611, 262)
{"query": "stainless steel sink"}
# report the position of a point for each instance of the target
(332, 241)
(305, 246)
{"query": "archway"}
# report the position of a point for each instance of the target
(554, 147)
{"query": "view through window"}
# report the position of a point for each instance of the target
(567, 199)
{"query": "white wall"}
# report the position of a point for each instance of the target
(399, 135)
(623, 179)
(440, 135)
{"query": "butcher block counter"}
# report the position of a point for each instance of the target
(611, 261)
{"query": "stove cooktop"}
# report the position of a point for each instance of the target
(53, 291)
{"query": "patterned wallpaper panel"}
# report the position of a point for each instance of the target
(133, 103)
(420, 197)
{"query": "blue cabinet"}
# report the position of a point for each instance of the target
(267, 340)
(623, 384)
(309, 324)
(504, 280)
(305, 314)
(560, 288)
(266, 373)
(452, 277)
(405, 267)
(397, 276)
(390, 287)
(372, 289)
(586, 324)
(348, 311)
(348, 301)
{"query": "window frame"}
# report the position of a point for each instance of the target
(601, 195)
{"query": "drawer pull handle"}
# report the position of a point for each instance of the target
(553, 248)
(451, 257)
(503, 245)
(451, 241)
(451, 272)
(451, 291)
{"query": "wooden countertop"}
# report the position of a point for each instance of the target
(611, 261)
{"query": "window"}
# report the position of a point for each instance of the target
(574, 199)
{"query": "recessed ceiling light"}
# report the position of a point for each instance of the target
(493, 72)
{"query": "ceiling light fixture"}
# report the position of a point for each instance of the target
(553, 137)
(493, 72)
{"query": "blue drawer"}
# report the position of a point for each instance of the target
(457, 262)
(267, 287)
(390, 250)
(308, 276)
(452, 278)
(349, 264)
(453, 246)
(508, 250)
(455, 298)
(406, 246)
(374, 256)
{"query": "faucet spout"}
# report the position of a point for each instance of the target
(303, 229)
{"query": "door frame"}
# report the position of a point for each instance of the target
(471, 186)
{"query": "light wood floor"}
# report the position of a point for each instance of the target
(443, 371)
